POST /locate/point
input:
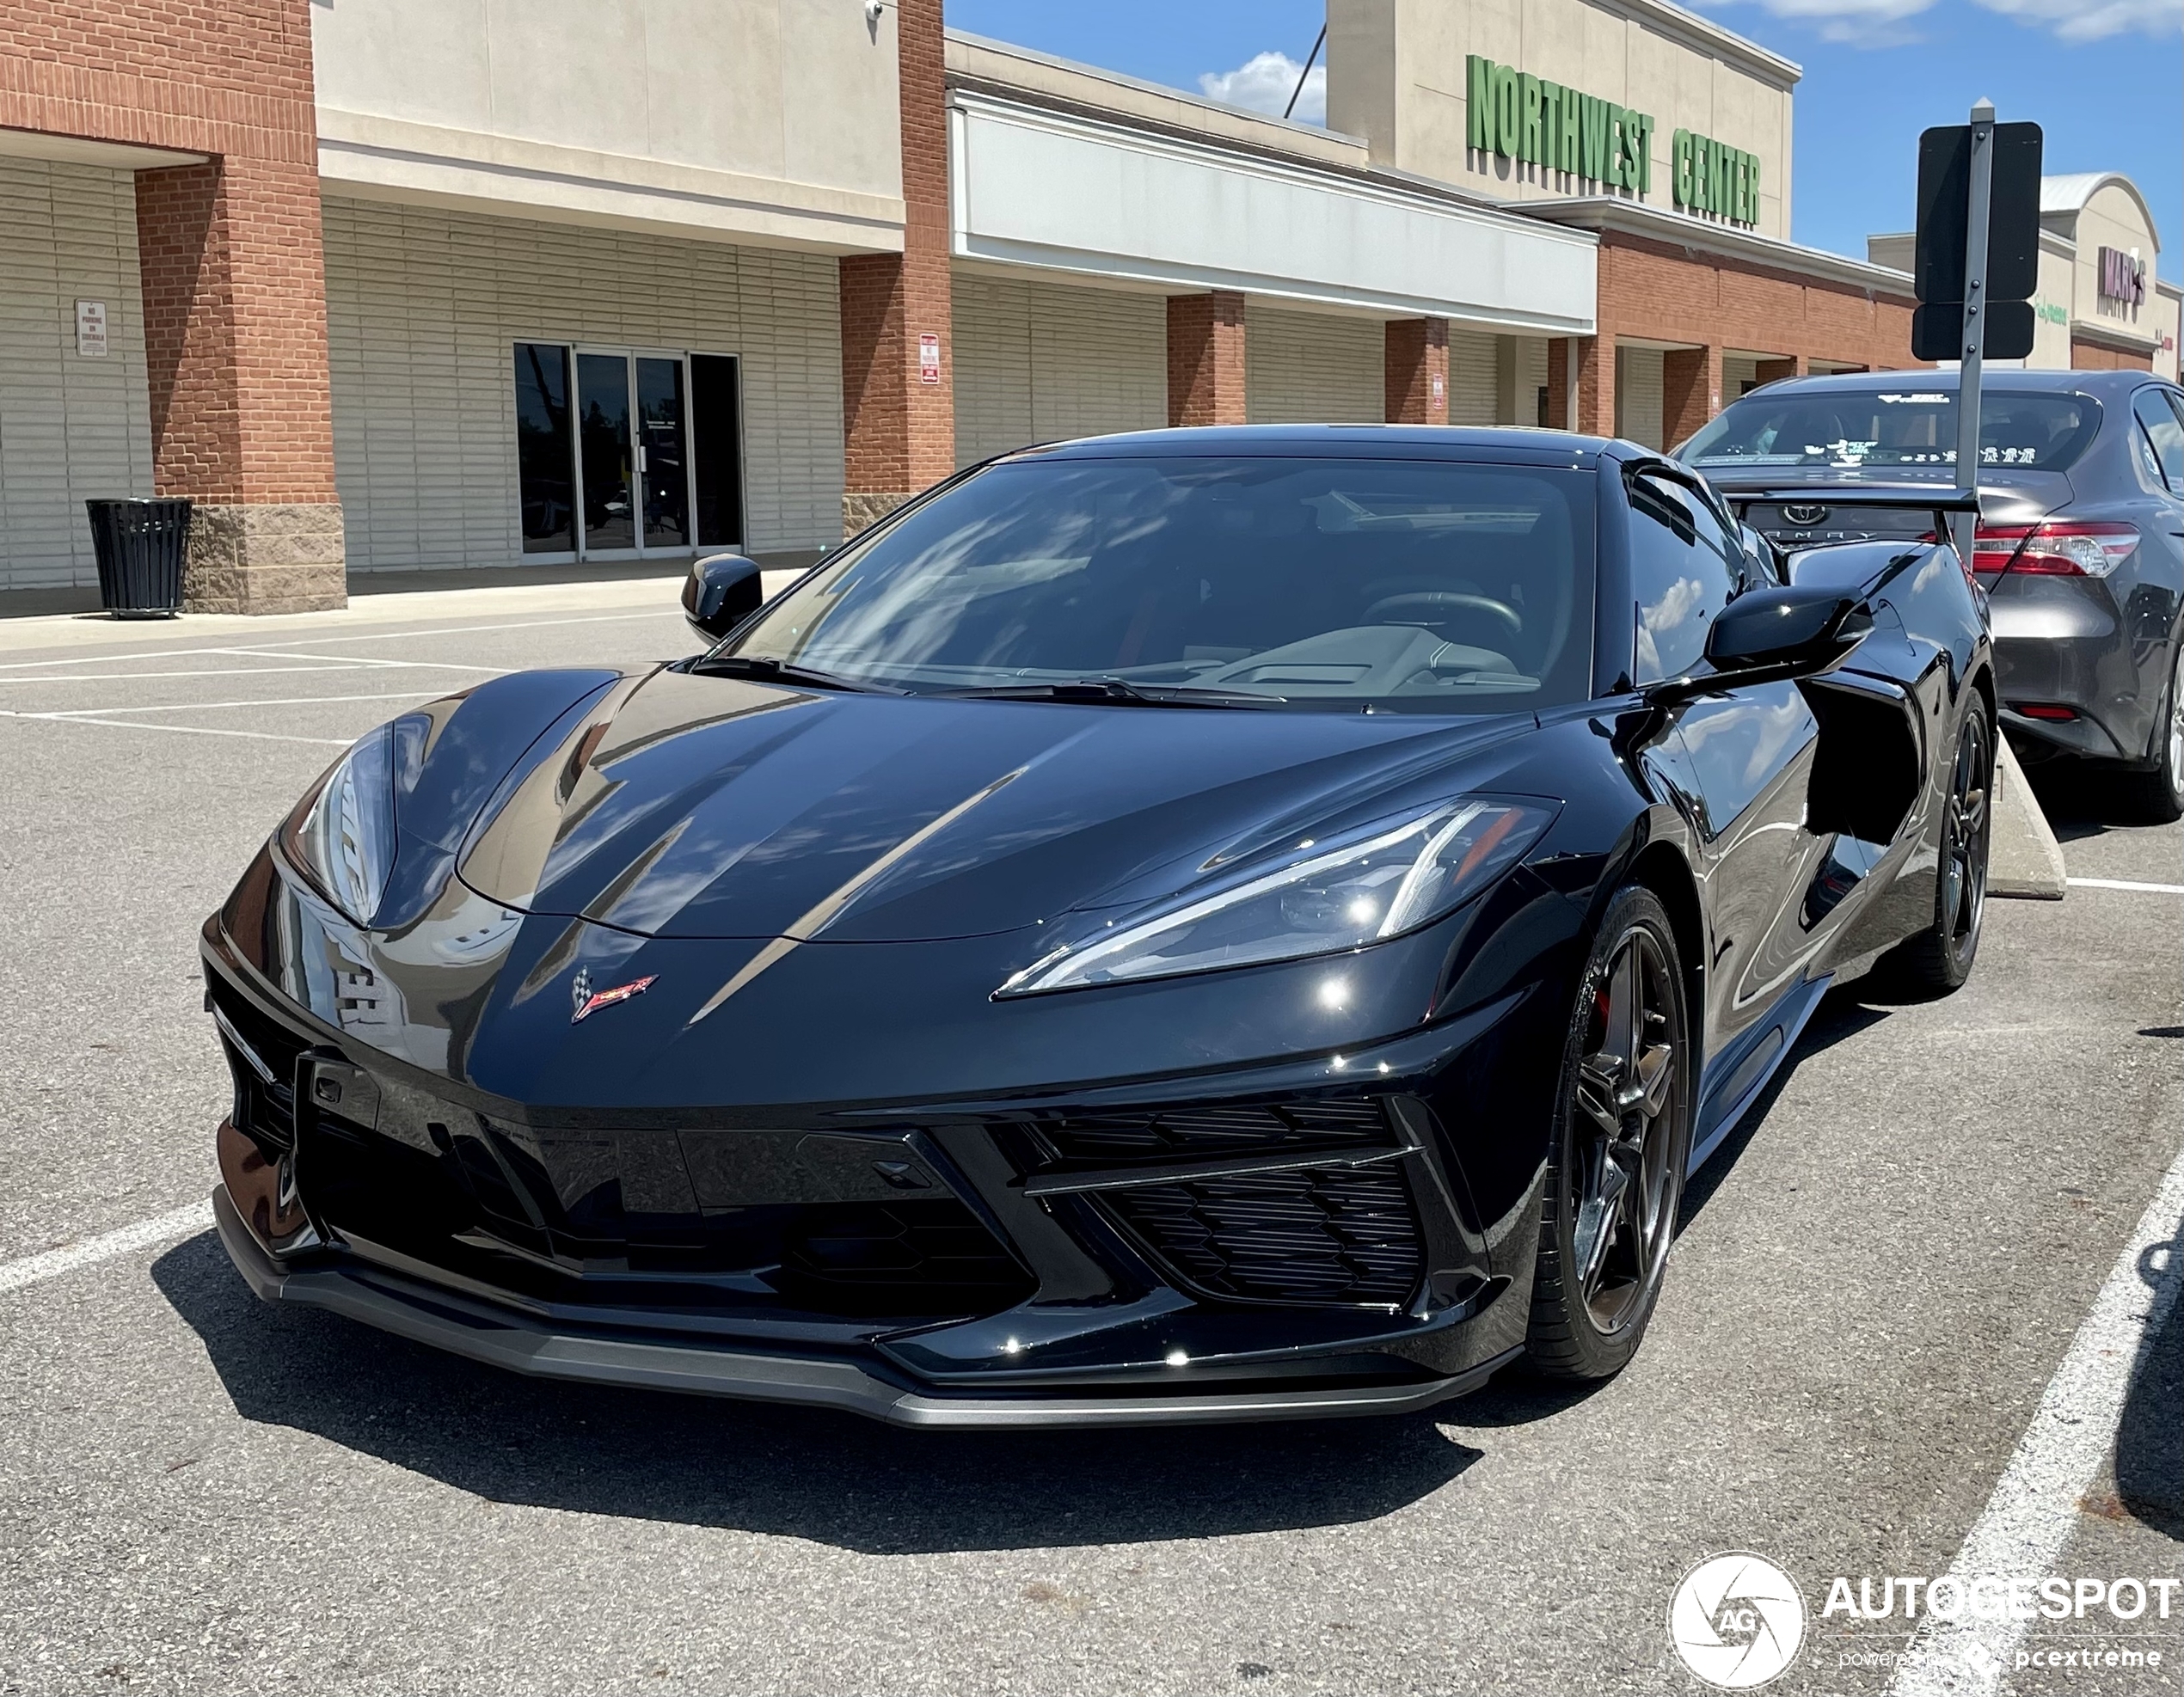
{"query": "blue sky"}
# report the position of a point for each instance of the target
(2104, 78)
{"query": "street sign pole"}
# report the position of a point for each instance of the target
(1975, 319)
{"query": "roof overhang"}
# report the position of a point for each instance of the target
(83, 150)
(2116, 336)
(1602, 213)
(374, 159)
(1064, 192)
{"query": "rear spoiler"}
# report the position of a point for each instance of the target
(1914, 497)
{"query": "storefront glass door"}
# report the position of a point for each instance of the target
(603, 448)
(663, 464)
(644, 457)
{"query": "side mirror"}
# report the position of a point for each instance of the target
(1786, 630)
(721, 591)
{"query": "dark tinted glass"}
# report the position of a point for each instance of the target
(1415, 585)
(603, 419)
(1680, 576)
(545, 483)
(1896, 429)
(666, 478)
(716, 448)
(2164, 433)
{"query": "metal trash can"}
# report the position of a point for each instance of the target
(140, 547)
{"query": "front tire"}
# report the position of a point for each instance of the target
(1939, 958)
(2157, 797)
(1615, 1171)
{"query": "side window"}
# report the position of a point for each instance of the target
(2166, 434)
(1681, 575)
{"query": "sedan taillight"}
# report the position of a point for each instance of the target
(2060, 548)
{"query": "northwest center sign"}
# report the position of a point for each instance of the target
(1540, 122)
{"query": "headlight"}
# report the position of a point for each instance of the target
(1376, 884)
(344, 835)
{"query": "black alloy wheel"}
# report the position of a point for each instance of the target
(1615, 1175)
(1939, 958)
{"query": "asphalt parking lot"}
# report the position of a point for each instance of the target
(1903, 1251)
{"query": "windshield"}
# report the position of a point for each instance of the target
(1407, 585)
(1900, 428)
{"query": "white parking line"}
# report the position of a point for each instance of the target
(364, 662)
(319, 642)
(82, 718)
(465, 630)
(2126, 883)
(33, 1269)
(2034, 1507)
(206, 706)
(208, 672)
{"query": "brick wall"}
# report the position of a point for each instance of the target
(1416, 358)
(899, 430)
(234, 282)
(1710, 302)
(2086, 356)
(1205, 358)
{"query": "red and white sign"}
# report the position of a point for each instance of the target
(929, 360)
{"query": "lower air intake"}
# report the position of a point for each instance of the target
(1326, 1235)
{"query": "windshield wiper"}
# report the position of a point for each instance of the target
(771, 670)
(1116, 692)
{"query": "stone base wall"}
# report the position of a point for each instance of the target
(861, 509)
(282, 557)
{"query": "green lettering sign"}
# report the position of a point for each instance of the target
(1478, 112)
(1706, 175)
(1593, 165)
(1507, 113)
(1529, 118)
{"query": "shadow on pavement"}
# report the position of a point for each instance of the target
(833, 1479)
(1840, 1015)
(2079, 802)
(2149, 1441)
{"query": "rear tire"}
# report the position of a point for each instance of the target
(1939, 958)
(1622, 1136)
(2157, 797)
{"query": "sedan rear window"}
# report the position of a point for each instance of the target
(1901, 427)
(1337, 584)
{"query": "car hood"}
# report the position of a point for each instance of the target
(685, 805)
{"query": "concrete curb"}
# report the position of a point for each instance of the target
(2023, 860)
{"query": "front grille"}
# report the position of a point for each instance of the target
(590, 1221)
(1117, 1139)
(1330, 1235)
(265, 1107)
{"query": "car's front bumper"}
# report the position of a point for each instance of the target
(354, 1180)
(484, 1332)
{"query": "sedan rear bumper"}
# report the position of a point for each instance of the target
(502, 1338)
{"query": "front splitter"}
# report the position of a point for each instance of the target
(499, 1338)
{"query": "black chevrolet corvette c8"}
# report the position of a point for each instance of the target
(1202, 925)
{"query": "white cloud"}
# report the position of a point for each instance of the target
(1866, 23)
(2094, 20)
(1886, 23)
(1265, 81)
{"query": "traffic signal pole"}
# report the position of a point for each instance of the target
(1975, 319)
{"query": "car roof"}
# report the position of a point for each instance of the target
(1505, 443)
(2007, 379)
